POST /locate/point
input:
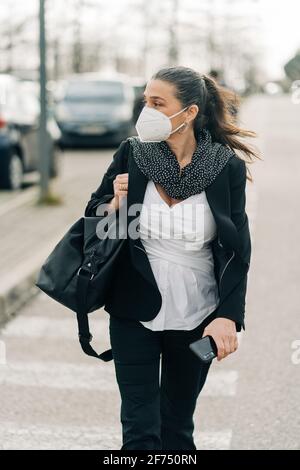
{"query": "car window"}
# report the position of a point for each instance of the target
(29, 103)
(99, 91)
(11, 98)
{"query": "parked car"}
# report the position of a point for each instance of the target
(19, 126)
(94, 109)
(139, 85)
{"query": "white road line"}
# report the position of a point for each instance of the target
(14, 436)
(95, 377)
(46, 327)
(59, 375)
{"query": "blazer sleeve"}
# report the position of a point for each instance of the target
(238, 180)
(105, 192)
(233, 306)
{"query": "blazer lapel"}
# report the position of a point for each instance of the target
(136, 193)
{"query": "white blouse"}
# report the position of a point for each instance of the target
(177, 242)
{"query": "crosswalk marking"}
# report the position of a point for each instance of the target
(45, 327)
(94, 377)
(49, 437)
(59, 375)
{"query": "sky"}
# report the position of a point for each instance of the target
(280, 29)
(281, 32)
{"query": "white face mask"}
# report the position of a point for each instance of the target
(154, 126)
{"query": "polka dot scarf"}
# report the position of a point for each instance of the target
(157, 161)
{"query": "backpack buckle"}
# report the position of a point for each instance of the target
(86, 271)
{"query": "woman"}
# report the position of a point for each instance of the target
(169, 291)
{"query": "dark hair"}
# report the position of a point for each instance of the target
(214, 73)
(216, 105)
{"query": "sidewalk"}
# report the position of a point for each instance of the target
(29, 233)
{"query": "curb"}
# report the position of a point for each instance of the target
(19, 286)
(15, 297)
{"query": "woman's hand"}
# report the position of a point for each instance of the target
(120, 189)
(223, 331)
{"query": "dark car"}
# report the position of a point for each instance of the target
(139, 86)
(93, 109)
(19, 126)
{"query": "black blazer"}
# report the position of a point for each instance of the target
(134, 293)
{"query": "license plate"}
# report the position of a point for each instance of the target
(92, 130)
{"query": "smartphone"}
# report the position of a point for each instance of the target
(205, 348)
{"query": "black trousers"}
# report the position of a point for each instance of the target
(157, 411)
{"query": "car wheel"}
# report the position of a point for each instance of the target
(13, 172)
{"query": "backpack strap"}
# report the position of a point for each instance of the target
(83, 279)
(84, 335)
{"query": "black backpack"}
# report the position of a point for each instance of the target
(79, 270)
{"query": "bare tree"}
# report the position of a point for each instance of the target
(173, 32)
(14, 33)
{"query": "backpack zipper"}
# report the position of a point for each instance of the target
(92, 264)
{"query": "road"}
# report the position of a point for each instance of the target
(55, 397)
